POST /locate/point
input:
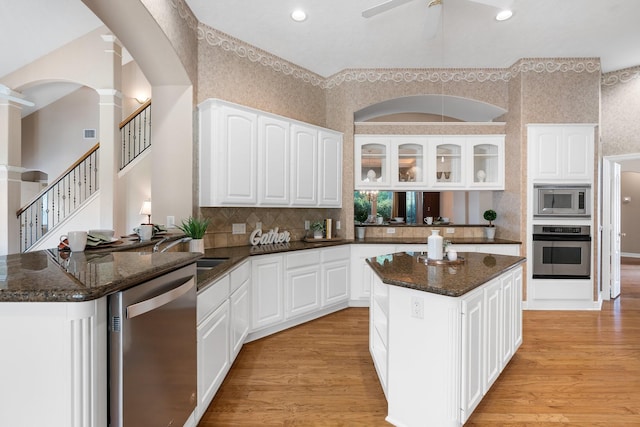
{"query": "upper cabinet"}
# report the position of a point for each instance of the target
(252, 158)
(561, 153)
(429, 162)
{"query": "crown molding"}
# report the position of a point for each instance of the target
(621, 76)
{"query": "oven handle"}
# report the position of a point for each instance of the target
(561, 238)
(146, 306)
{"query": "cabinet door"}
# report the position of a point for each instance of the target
(240, 318)
(267, 283)
(448, 165)
(274, 161)
(409, 162)
(302, 291)
(361, 272)
(335, 279)
(304, 163)
(492, 332)
(238, 156)
(486, 162)
(472, 352)
(545, 149)
(213, 355)
(372, 159)
(330, 177)
(508, 324)
(517, 309)
(578, 153)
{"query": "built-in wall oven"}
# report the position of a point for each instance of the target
(561, 252)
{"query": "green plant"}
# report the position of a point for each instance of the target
(317, 226)
(194, 227)
(490, 215)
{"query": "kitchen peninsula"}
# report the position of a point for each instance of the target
(440, 334)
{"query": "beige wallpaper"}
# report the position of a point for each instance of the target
(621, 112)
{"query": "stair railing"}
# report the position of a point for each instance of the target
(135, 133)
(61, 198)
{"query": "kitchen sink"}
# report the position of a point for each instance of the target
(209, 263)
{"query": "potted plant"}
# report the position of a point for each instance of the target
(196, 229)
(490, 230)
(318, 229)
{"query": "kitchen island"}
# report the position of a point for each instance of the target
(441, 334)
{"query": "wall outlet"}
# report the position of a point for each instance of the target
(391, 230)
(258, 226)
(171, 221)
(417, 307)
(338, 226)
(307, 224)
(239, 228)
(450, 230)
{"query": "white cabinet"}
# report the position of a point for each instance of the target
(493, 336)
(253, 158)
(335, 274)
(302, 286)
(239, 305)
(372, 162)
(360, 292)
(267, 296)
(228, 155)
(473, 307)
(330, 173)
(561, 153)
(423, 162)
(213, 355)
(304, 154)
(273, 161)
(379, 329)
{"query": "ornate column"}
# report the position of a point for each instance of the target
(10, 168)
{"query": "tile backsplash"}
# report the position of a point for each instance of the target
(219, 234)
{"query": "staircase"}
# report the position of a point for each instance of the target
(76, 186)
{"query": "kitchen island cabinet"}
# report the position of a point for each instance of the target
(441, 334)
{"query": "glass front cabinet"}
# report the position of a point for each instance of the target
(446, 162)
(372, 158)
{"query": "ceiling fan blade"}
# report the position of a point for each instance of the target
(383, 7)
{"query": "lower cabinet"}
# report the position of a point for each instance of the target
(213, 354)
(464, 345)
(267, 280)
(361, 273)
(336, 274)
(302, 285)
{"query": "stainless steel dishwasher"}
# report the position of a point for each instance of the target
(152, 352)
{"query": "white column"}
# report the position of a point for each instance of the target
(10, 168)
(109, 137)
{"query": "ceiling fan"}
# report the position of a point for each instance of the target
(434, 8)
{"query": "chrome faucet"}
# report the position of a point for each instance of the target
(156, 247)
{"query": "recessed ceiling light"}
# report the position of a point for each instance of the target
(298, 15)
(503, 15)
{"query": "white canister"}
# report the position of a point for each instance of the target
(434, 245)
(452, 255)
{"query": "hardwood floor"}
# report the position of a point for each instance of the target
(577, 368)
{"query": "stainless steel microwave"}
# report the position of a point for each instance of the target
(562, 200)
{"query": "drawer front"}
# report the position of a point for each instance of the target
(212, 297)
(303, 259)
(240, 275)
(340, 253)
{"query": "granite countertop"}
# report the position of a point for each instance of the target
(407, 270)
(56, 276)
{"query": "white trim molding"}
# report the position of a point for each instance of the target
(621, 76)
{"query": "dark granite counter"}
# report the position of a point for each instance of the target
(418, 240)
(54, 276)
(407, 270)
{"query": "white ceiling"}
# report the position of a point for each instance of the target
(335, 36)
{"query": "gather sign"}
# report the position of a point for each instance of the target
(271, 237)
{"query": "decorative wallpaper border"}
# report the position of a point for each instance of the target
(229, 43)
(621, 76)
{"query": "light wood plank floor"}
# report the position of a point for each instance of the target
(574, 368)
